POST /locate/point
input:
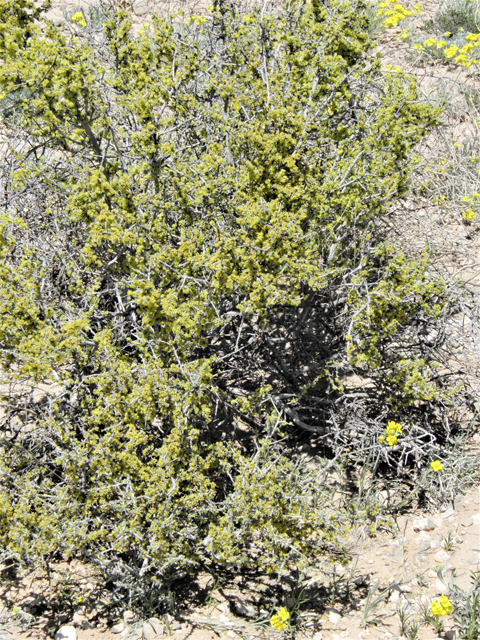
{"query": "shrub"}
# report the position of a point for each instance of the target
(189, 260)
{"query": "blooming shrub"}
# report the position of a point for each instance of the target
(187, 262)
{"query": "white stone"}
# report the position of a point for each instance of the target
(66, 633)
(448, 513)
(151, 631)
(118, 628)
(128, 616)
(423, 524)
(334, 617)
(245, 609)
(140, 7)
(440, 587)
(476, 518)
(394, 596)
(432, 574)
(405, 588)
(441, 556)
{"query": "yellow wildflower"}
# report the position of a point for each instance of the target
(79, 18)
(279, 620)
(441, 607)
(381, 439)
(440, 44)
(436, 465)
(430, 42)
(469, 215)
(393, 428)
(451, 51)
(392, 440)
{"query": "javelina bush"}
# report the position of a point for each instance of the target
(187, 256)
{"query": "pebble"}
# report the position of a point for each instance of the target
(424, 545)
(66, 633)
(447, 514)
(128, 616)
(423, 524)
(140, 7)
(476, 518)
(436, 543)
(405, 588)
(394, 597)
(432, 574)
(118, 628)
(473, 560)
(334, 617)
(467, 522)
(440, 587)
(242, 608)
(441, 556)
(148, 631)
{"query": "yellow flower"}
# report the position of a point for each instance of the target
(279, 620)
(381, 439)
(468, 215)
(429, 43)
(440, 44)
(441, 607)
(418, 47)
(79, 18)
(451, 51)
(436, 465)
(393, 428)
(392, 440)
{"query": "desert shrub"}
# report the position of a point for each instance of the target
(190, 275)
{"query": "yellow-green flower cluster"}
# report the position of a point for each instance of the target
(461, 55)
(441, 607)
(393, 430)
(279, 620)
(395, 13)
(79, 19)
(436, 465)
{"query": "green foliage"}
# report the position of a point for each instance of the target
(186, 250)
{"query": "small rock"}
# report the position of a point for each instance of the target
(441, 556)
(79, 620)
(231, 634)
(317, 636)
(334, 617)
(423, 524)
(140, 7)
(467, 522)
(66, 633)
(448, 513)
(128, 616)
(245, 609)
(394, 596)
(451, 634)
(423, 546)
(432, 574)
(458, 540)
(154, 627)
(436, 543)
(405, 588)
(440, 587)
(473, 560)
(118, 628)
(476, 518)
(423, 536)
